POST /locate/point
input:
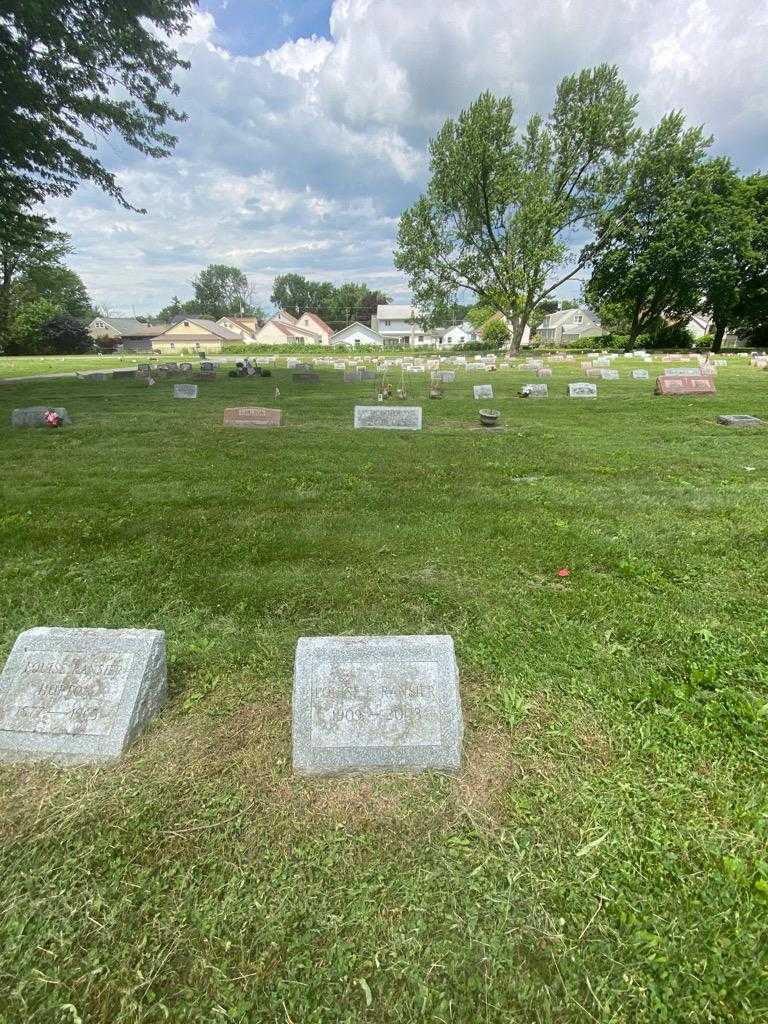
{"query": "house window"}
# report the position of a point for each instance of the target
(172, 345)
(578, 319)
(387, 323)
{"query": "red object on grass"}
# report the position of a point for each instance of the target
(52, 419)
(563, 572)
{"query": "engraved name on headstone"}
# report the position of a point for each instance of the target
(482, 391)
(79, 695)
(252, 416)
(372, 703)
(667, 385)
(387, 417)
(582, 390)
(534, 391)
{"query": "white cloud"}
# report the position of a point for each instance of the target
(301, 158)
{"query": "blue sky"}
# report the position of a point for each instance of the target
(308, 124)
(248, 27)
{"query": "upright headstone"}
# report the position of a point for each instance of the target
(79, 695)
(376, 703)
(185, 390)
(534, 391)
(34, 415)
(387, 417)
(610, 374)
(666, 385)
(252, 416)
(482, 391)
(582, 390)
(207, 371)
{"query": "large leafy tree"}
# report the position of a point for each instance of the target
(57, 284)
(28, 244)
(64, 335)
(72, 71)
(502, 209)
(734, 263)
(222, 291)
(337, 304)
(649, 262)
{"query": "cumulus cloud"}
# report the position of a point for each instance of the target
(301, 157)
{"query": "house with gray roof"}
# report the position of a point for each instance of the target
(110, 331)
(568, 325)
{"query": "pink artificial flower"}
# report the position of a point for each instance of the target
(563, 572)
(52, 419)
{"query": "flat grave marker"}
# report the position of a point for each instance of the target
(741, 420)
(79, 695)
(480, 391)
(252, 416)
(376, 703)
(640, 375)
(610, 374)
(185, 390)
(387, 417)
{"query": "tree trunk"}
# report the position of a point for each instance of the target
(717, 344)
(518, 330)
(634, 329)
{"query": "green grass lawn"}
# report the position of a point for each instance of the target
(603, 853)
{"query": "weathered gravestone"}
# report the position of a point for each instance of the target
(252, 416)
(79, 695)
(207, 371)
(185, 390)
(376, 703)
(482, 391)
(741, 421)
(447, 376)
(184, 367)
(544, 371)
(666, 385)
(582, 390)
(594, 371)
(682, 371)
(534, 391)
(34, 415)
(305, 377)
(639, 375)
(610, 374)
(387, 417)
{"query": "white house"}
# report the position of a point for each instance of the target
(245, 326)
(312, 322)
(459, 334)
(278, 331)
(568, 325)
(399, 326)
(357, 334)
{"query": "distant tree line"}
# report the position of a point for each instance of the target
(670, 230)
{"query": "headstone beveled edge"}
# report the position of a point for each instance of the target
(346, 760)
(144, 692)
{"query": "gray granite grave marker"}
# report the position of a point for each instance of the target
(639, 375)
(482, 391)
(185, 390)
(376, 703)
(387, 417)
(582, 390)
(79, 695)
(32, 415)
(741, 421)
(534, 391)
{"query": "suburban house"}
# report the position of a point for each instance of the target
(525, 341)
(311, 322)
(278, 331)
(399, 326)
(357, 334)
(245, 326)
(569, 325)
(194, 334)
(134, 336)
(459, 334)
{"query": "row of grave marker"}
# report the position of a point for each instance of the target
(360, 703)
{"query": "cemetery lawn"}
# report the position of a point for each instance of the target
(603, 853)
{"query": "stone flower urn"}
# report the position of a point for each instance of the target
(489, 417)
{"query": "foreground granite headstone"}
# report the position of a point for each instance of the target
(33, 415)
(582, 390)
(252, 416)
(741, 421)
(482, 391)
(666, 385)
(79, 695)
(185, 390)
(376, 703)
(534, 391)
(387, 417)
